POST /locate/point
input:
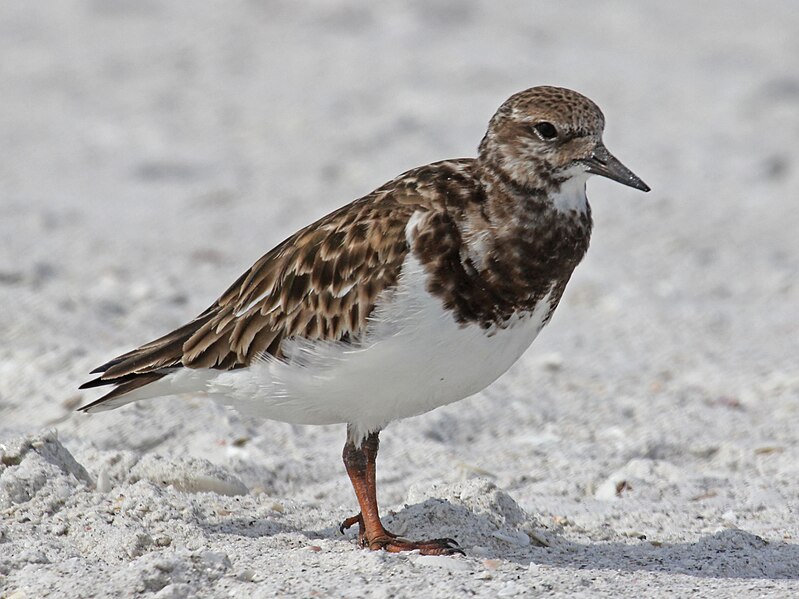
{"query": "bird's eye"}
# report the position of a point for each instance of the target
(545, 130)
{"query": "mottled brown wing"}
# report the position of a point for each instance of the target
(320, 283)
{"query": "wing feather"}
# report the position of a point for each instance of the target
(322, 283)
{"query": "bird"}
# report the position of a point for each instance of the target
(415, 296)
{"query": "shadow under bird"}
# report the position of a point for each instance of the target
(412, 297)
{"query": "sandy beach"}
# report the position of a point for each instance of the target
(645, 446)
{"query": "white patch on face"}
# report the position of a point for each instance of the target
(571, 195)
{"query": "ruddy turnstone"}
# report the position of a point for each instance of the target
(415, 296)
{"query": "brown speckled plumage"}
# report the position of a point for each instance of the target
(487, 234)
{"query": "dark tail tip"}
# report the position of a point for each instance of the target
(98, 382)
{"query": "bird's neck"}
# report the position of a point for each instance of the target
(513, 210)
(527, 234)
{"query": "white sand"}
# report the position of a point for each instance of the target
(151, 150)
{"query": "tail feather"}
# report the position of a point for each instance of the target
(142, 366)
(98, 382)
(113, 399)
(169, 355)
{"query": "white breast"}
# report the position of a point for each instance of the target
(414, 358)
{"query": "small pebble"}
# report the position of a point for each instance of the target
(516, 537)
(729, 516)
(103, 484)
(445, 562)
(509, 590)
(247, 575)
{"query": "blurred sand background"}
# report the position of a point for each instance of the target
(152, 150)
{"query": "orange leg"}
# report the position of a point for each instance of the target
(360, 465)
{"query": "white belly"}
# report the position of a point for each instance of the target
(414, 358)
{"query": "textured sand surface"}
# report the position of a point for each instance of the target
(152, 150)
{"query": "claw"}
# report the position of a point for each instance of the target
(351, 521)
(446, 540)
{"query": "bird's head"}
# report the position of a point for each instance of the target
(544, 136)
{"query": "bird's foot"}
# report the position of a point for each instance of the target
(430, 547)
(388, 541)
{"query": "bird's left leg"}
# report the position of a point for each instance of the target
(360, 462)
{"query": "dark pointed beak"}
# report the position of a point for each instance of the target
(603, 163)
